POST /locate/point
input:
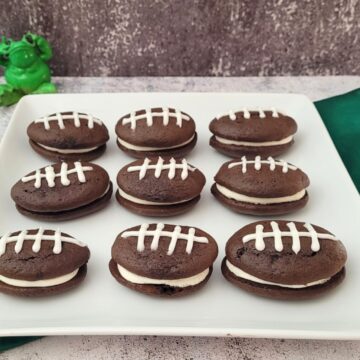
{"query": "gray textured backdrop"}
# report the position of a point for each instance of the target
(192, 37)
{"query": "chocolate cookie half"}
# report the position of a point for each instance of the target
(159, 186)
(252, 132)
(156, 132)
(63, 191)
(41, 262)
(287, 260)
(163, 260)
(68, 136)
(261, 186)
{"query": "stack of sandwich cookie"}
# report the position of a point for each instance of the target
(68, 136)
(261, 186)
(159, 186)
(156, 132)
(41, 262)
(163, 260)
(287, 260)
(62, 191)
(252, 132)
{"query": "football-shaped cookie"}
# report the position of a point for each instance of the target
(41, 262)
(62, 191)
(159, 186)
(163, 260)
(261, 186)
(284, 259)
(68, 136)
(156, 132)
(252, 132)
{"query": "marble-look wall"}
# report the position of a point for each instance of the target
(192, 37)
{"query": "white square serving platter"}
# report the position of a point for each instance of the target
(102, 306)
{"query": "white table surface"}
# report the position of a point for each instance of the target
(156, 347)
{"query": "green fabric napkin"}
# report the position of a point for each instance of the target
(341, 116)
(7, 343)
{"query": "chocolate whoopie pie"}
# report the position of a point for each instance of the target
(41, 262)
(287, 260)
(265, 133)
(68, 136)
(261, 186)
(159, 186)
(62, 191)
(163, 260)
(156, 132)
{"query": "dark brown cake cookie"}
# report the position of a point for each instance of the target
(156, 132)
(284, 259)
(62, 191)
(68, 136)
(164, 260)
(261, 186)
(41, 262)
(159, 186)
(251, 133)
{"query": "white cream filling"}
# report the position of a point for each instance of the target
(242, 274)
(68, 151)
(39, 283)
(137, 279)
(252, 143)
(255, 200)
(104, 193)
(136, 200)
(147, 148)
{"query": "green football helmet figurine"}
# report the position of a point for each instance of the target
(26, 71)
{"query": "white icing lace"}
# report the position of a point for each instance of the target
(258, 164)
(246, 113)
(57, 237)
(293, 232)
(165, 113)
(50, 174)
(157, 233)
(75, 116)
(160, 166)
